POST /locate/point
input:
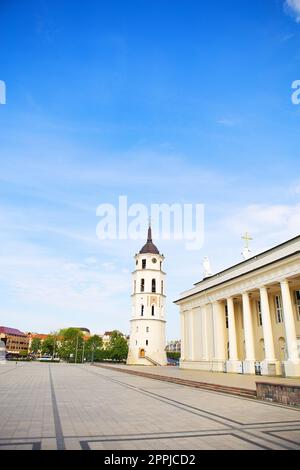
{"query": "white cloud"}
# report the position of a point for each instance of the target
(76, 182)
(72, 292)
(297, 189)
(91, 260)
(293, 7)
(269, 224)
(44, 292)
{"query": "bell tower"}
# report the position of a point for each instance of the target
(147, 332)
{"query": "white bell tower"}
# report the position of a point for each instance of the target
(147, 333)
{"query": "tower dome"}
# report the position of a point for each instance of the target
(149, 247)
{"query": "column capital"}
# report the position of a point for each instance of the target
(245, 293)
(217, 302)
(284, 282)
(263, 288)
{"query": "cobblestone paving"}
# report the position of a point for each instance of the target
(60, 406)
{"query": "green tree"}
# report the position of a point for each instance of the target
(118, 347)
(92, 347)
(101, 354)
(36, 345)
(48, 345)
(70, 343)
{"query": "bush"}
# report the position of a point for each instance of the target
(100, 355)
(173, 355)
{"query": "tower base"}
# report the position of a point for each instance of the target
(292, 368)
(134, 359)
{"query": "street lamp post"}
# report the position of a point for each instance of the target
(54, 344)
(93, 349)
(82, 359)
(76, 349)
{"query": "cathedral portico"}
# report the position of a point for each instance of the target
(246, 317)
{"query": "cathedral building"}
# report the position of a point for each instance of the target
(246, 319)
(147, 332)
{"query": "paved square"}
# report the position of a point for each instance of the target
(61, 406)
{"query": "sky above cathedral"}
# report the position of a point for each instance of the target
(161, 101)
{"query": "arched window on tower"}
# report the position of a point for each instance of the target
(134, 286)
(142, 310)
(153, 285)
(152, 310)
(142, 285)
(162, 287)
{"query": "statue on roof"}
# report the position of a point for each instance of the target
(207, 271)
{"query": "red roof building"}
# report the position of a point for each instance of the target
(11, 331)
(17, 343)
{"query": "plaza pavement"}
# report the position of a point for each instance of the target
(62, 406)
(219, 378)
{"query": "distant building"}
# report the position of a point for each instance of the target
(32, 336)
(174, 346)
(85, 331)
(17, 343)
(107, 336)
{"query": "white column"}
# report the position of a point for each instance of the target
(219, 335)
(182, 334)
(187, 335)
(204, 333)
(232, 330)
(270, 365)
(292, 365)
(249, 362)
(192, 335)
(197, 333)
(233, 363)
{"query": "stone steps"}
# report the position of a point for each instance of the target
(238, 391)
(152, 361)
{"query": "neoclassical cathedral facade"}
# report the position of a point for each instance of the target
(246, 319)
(148, 323)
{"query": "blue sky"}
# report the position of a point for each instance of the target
(163, 101)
